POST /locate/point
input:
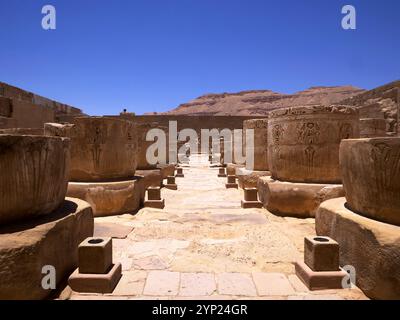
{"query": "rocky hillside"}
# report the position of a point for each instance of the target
(381, 102)
(260, 102)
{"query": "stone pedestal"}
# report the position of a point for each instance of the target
(179, 173)
(320, 269)
(51, 240)
(96, 272)
(171, 183)
(249, 178)
(109, 198)
(231, 182)
(251, 199)
(372, 247)
(295, 199)
(95, 255)
(154, 198)
(221, 173)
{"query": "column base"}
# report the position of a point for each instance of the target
(295, 199)
(249, 178)
(109, 198)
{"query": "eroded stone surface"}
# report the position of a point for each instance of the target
(303, 142)
(51, 240)
(372, 247)
(102, 148)
(295, 199)
(33, 176)
(371, 177)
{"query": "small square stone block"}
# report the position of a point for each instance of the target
(231, 179)
(95, 256)
(320, 280)
(251, 204)
(250, 194)
(156, 204)
(154, 193)
(221, 173)
(321, 253)
(170, 180)
(179, 173)
(96, 283)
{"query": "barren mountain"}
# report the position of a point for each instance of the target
(260, 102)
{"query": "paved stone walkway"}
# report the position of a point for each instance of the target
(204, 246)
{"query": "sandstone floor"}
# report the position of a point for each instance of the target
(204, 246)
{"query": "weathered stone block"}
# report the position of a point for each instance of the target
(221, 173)
(295, 199)
(179, 173)
(231, 182)
(248, 178)
(321, 254)
(109, 198)
(154, 193)
(251, 194)
(171, 183)
(95, 255)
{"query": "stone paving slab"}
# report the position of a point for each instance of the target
(197, 284)
(240, 284)
(272, 284)
(162, 283)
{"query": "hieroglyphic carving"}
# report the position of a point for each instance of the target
(308, 133)
(277, 133)
(387, 168)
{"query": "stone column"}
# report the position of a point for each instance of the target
(303, 143)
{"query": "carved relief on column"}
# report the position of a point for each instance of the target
(304, 144)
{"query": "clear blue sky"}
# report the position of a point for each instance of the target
(151, 55)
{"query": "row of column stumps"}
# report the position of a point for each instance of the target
(154, 199)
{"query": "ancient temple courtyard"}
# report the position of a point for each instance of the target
(203, 245)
